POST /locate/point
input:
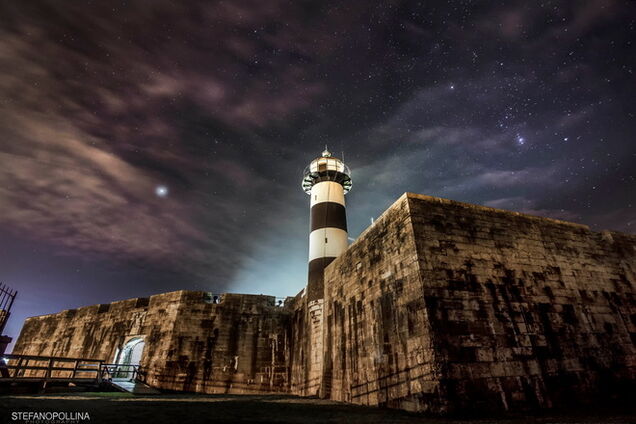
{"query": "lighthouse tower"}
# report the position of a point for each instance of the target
(326, 180)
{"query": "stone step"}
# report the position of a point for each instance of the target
(134, 387)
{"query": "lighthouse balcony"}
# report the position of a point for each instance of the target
(334, 170)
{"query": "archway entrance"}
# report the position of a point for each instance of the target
(128, 358)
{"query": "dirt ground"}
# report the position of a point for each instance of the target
(182, 409)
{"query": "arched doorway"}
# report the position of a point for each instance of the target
(129, 358)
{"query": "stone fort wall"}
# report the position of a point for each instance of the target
(91, 331)
(307, 350)
(239, 345)
(438, 306)
(442, 305)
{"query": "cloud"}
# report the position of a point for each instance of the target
(226, 102)
(623, 219)
(102, 104)
(529, 206)
(529, 176)
(66, 187)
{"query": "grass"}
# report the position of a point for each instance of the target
(117, 407)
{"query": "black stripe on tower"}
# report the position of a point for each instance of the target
(328, 214)
(316, 281)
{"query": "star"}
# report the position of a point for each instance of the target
(520, 140)
(161, 191)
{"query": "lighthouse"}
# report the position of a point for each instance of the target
(326, 180)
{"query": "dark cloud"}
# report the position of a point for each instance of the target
(521, 106)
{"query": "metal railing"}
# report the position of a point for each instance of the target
(7, 296)
(122, 372)
(46, 369)
(50, 368)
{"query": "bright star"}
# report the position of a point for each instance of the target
(161, 191)
(520, 140)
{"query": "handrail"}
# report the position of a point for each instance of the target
(110, 371)
(31, 367)
(7, 296)
(19, 367)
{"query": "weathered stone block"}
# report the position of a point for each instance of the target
(526, 296)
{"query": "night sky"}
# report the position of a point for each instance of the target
(154, 146)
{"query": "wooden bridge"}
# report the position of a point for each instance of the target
(45, 371)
